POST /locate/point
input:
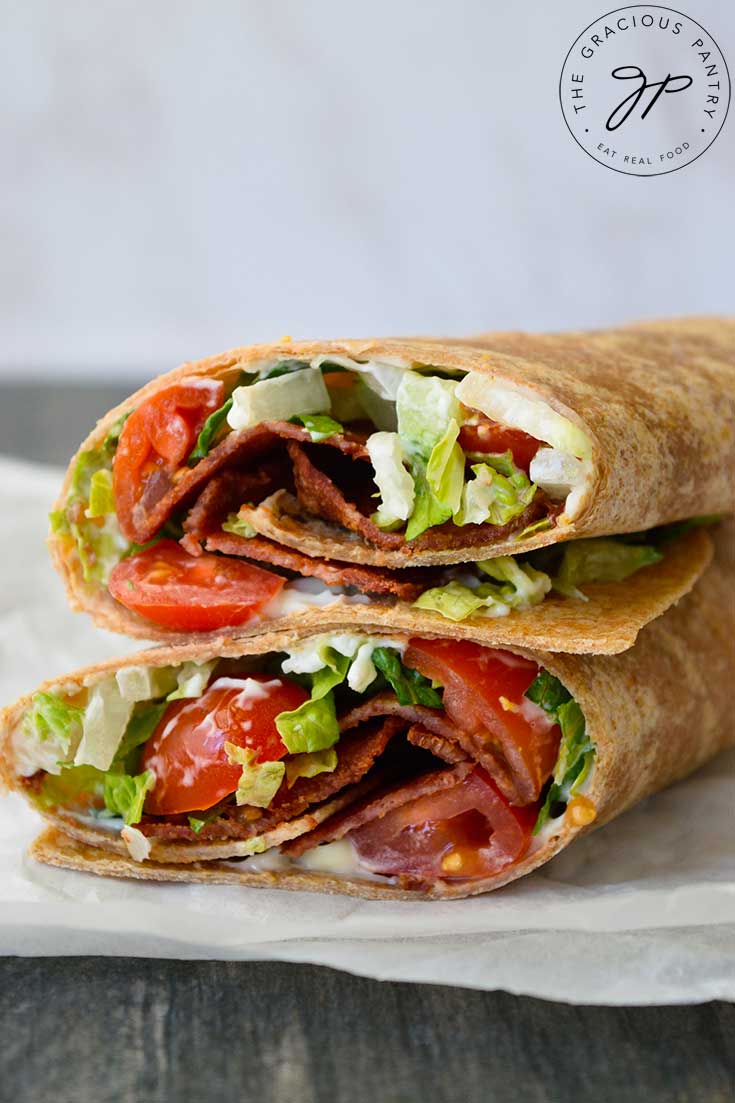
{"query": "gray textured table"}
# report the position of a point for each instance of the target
(107, 1029)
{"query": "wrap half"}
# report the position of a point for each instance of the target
(282, 478)
(374, 764)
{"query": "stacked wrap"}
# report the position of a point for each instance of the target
(648, 659)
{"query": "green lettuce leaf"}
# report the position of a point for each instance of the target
(141, 726)
(547, 692)
(532, 530)
(395, 484)
(309, 765)
(409, 686)
(192, 679)
(427, 509)
(452, 601)
(445, 469)
(100, 544)
(77, 788)
(259, 781)
(518, 586)
(313, 726)
(318, 426)
(101, 496)
(112, 439)
(209, 432)
(239, 526)
(284, 367)
(197, 822)
(576, 750)
(425, 406)
(493, 497)
(600, 560)
(50, 718)
(125, 795)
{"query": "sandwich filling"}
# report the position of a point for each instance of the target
(197, 510)
(419, 761)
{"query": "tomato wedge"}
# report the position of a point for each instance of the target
(461, 833)
(475, 679)
(186, 752)
(490, 436)
(191, 593)
(156, 440)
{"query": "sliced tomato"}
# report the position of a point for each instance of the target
(156, 440)
(475, 679)
(465, 832)
(490, 436)
(191, 593)
(187, 754)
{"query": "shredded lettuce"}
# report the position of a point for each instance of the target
(112, 439)
(516, 586)
(532, 530)
(106, 718)
(600, 560)
(313, 726)
(53, 728)
(101, 496)
(95, 792)
(494, 497)
(144, 683)
(557, 472)
(428, 511)
(125, 795)
(425, 405)
(456, 602)
(283, 367)
(445, 469)
(239, 526)
(409, 686)
(576, 750)
(259, 781)
(521, 584)
(309, 765)
(75, 787)
(279, 398)
(196, 823)
(89, 516)
(381, 411)
(141, 726)
(192, 679)
(392, 479)
(318, 426)
(51, 717)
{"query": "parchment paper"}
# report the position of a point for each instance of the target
(641, 912)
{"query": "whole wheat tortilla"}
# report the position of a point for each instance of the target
(657, 401)
(655, 713)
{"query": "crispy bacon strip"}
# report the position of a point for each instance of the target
(356, 755)
(369, 580)
(372, 807)
(164, 494)
(437, 723)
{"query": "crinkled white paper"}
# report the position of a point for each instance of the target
(643, 911)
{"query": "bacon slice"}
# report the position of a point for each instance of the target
(369, 580)
(162, 494)
(320, 495)
(356, 755)
(372, 807)
(438, 745)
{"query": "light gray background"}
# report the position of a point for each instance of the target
(182, 177)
